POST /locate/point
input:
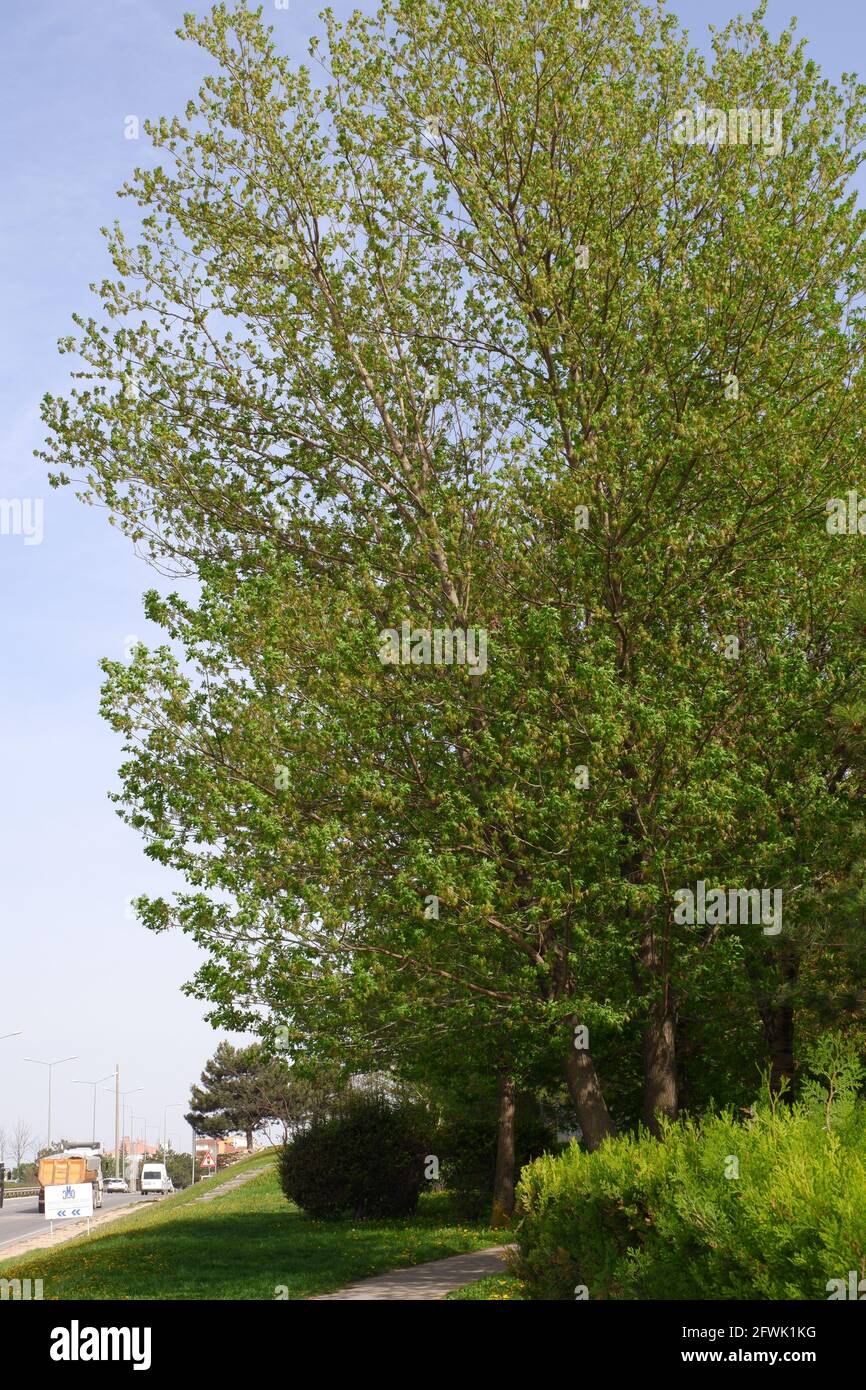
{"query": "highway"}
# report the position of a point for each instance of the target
(20, 1215)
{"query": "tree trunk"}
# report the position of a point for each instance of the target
(685, 1065)
(778, 1022)
(659, 1036)
(503, 1182)
(249, 1141)
(584, 1088)
(777, 1016)
(776, 1010)
(659, 1067)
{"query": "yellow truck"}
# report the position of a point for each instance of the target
(74, 1165)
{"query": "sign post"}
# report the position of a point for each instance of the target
(69, 1202)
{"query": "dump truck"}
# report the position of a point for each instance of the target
(78, 1164)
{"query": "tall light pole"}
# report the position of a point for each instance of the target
(120, 1098)
(175, 1105)
(145, 1127)
(94, 1084)
(37, 1061)
(117, 1172)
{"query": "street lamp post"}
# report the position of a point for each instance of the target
(123, 1095)
(37, 1061)
(145, 1130)
(117, 1172)
(175, 1105)
(94, 1084)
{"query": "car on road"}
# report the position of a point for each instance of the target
(155, 1180)
(117, 1185)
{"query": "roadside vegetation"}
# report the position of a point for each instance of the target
(247, 1244)
(508, 748)
(770, 1204)
(497, 1288)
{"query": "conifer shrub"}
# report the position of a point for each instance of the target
(767, 1205)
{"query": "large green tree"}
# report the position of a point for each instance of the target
(467, 338)
(243, 1090)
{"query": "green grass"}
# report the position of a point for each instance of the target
(247, 1244)
(495, 1288)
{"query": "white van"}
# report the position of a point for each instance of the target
(155, 1179)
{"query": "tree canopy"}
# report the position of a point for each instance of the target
(243, 1090)
(450, 345)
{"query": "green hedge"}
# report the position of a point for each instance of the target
(647, 1219)
(367, 1161)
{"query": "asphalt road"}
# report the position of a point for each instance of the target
(20, 1215)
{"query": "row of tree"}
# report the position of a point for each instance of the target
(464, 342)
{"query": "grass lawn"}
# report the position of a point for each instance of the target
(494, 1289)
(247, 1244)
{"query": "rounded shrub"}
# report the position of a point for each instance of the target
(366, 1161)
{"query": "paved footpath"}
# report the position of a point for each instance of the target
(231, 1185)
(431, 1280)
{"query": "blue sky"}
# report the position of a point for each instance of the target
(77, 974)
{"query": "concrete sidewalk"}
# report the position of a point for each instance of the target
(427, 1281)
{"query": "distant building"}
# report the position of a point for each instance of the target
(131, 1147)
(211, 1154)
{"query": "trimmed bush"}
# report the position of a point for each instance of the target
(647, 1219)
(366, 1161)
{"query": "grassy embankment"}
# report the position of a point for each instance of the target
(246, 1244)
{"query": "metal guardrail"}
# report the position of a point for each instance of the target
(20, 1192)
